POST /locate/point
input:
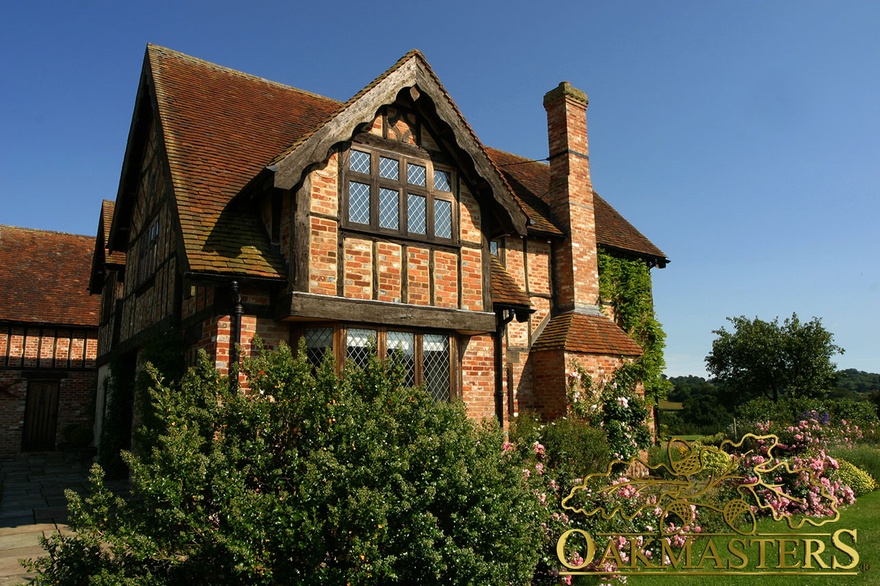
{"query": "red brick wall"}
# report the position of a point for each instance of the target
(323, 255)
(418, 291)
(478, 376)
(543, 383)
(358, 263)
(391, 276)
(445, 279)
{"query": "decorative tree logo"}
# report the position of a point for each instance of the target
(694, 478)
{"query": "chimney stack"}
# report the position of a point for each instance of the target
(571, 200)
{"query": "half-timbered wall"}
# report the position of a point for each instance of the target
(528, 261)
(427, 252)
(352, 260)
(63, 358)
(151, 260)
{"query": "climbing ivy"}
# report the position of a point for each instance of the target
(626, 284)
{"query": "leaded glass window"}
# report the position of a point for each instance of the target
(442, 218)
(359, 343)
(318, 342)
(400, 346)
(360, 162)
(416, 214)
(435, 365)
(389, 208)
(358, 202)
(425, 358)
(442, 180)
(398, 194)
(389, 168)
(416, 174)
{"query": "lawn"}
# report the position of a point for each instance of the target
(863, 516)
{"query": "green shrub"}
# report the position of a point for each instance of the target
(305, 479)
(857, 479)
(865, 457)
(572, 447)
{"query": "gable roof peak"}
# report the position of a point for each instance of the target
(410, 71)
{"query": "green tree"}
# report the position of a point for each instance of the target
(305, 479)
(773, 360)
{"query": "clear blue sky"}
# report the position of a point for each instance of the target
(742, 137)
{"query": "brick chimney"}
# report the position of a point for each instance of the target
(576, 269)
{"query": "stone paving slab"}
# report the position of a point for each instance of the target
(22, 542)
(33, 504)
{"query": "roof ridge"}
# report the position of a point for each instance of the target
(152, 48)
(44, 231)
(412, 53)
(520, 157)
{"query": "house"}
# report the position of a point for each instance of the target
(247, 207)
(48, 339)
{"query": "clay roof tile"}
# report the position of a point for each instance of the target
(44, 278)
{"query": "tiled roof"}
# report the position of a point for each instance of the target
(221, 128)
(103, 256)
(114, 257)
(505, 291)
(531, 181)
(587, 333)
(44, 278)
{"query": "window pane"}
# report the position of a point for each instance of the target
(416, 217)
(389, 168)
(358, 202)
(359, 161)
(415, 174)
(442, 218)
(435, 365)
(442, 180)
(389, 209)
(318, 342)
(358, 344)
(401, 347)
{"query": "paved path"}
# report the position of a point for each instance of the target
(33, 503)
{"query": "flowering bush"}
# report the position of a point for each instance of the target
(614, 406)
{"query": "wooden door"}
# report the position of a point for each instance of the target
(40, 415)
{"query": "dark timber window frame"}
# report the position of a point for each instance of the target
(148, 259)
(365, 173)
(422, 351)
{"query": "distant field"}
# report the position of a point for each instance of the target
(665, 405)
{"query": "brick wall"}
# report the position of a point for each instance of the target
(478, 376)
(389, 257)
(418, 289)
(445, 279)
(358, 263)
